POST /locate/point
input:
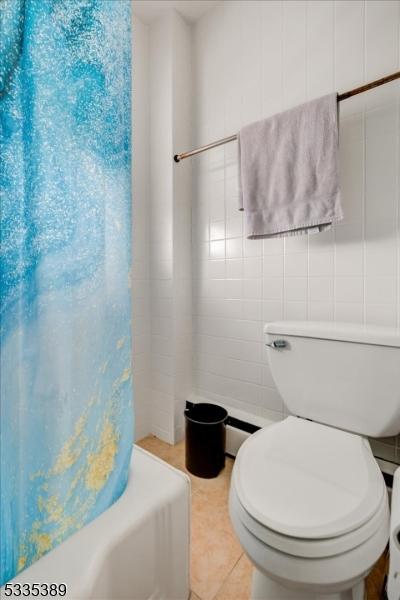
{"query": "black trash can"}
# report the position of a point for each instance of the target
(205, 439)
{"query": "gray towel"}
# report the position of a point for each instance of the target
(288, 171)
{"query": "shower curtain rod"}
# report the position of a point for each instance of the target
(344, 96)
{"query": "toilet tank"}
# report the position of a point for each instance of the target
(339, 374)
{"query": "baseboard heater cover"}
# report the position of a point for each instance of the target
(237, 431)
(233, 422)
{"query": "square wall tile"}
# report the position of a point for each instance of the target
(234, 248)
(217, 230)
(252, 267)
(349, 289)
(217, 249)
(321, 311)
(381, 314)
(216, 269)
(380, 290)
(349, 312)
(295, 289)
(273, 288)
(295, 311)
(252, 289)
(273, 265)
(273, 246)
(320, 264)
(234, 268)
(234, 227)
(296, 264)
(272, 311)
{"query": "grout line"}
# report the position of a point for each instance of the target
(228, 575)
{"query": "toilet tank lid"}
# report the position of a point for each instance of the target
(346, 332)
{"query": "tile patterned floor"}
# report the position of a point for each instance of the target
(219, 568)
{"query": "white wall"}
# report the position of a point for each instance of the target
(161, 270)
(161, 250)
(252, 59)
(182, 218)
(170, 218)
(140, 228)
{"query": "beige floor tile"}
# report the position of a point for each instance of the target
(220, 570)
(161, 449)
(215, 549)
(219, 485)
(238, 584)
(175, 456)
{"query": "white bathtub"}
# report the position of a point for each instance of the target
(137, 550)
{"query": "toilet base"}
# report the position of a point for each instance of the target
(265, 588)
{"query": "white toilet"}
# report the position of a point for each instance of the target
(308, 501)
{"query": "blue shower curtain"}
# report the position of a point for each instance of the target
(66, 416)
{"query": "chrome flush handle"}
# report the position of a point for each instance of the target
(278, 344)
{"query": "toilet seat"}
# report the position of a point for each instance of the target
(299, 479)
(319, 575)
(307, 548)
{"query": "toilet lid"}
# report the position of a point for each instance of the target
(307, 480)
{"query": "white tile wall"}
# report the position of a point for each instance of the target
(161, 396)
(253, 59)
(161, 266)
(170, 218)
